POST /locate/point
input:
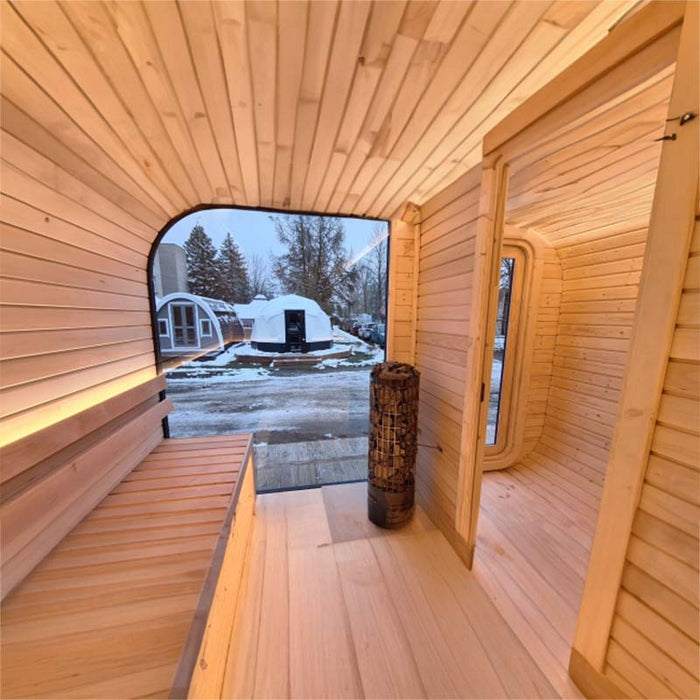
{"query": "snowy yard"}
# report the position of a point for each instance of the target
(281, 405)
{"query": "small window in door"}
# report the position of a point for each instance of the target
(205, 326)
(501, 357)
(163, 327)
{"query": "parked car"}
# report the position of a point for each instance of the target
(365, 331)
(378, 335)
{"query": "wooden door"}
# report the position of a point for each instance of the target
(638, 49)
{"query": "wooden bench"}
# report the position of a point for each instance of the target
(120, 562)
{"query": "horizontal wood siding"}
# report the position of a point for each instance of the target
(655, 631)
(540, 370)
(401, 298)
(446, 263)
(600, 279)
(76, 325)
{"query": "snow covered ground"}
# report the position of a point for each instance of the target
(281, 405)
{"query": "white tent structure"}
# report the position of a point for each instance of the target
(292, 323)
(247, 313)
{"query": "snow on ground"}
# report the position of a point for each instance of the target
(224, 367)
(287, 407)
(279, 404)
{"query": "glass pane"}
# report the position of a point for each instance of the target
(499, 351)
(300, 306)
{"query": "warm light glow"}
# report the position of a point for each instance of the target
(179, 360)
(368, 249)
(32, 420)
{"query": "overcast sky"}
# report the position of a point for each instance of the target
(254, 231)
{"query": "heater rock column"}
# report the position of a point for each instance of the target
(393, 401)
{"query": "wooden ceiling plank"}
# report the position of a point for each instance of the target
(621, 160)
(372, 61)
(402, 52)
(576, 204)
(230, 21)
(630, 128)
(22, 46)
(159, 80)
(198, 21)
(554, 230)
(593, 27)
(425, 61)
(532, 54)
(44, 170)
(87, 45)
(564, 135)
(494, 76)
(349, 34)
(453, 90)
(167, 24)
(293, 16)
(262, 45)
(25, 129)
(635, 100)
(637, 72)
(607, 184)
(652, 21)
(319, 38)
(37, 105)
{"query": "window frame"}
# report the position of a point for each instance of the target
(162, 334)
(202, 321)
(512, 359)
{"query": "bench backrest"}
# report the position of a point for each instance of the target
(52, 479)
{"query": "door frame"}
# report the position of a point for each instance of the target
(638, 48)
(171, 314)
(302, 340)
(634, 50)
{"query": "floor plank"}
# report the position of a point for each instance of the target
(351, 610)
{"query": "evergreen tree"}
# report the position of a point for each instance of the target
(315, 263)
(235, 286)
(202, 264)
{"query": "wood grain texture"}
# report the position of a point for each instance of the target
(203, 107)
(114, 601)
(308, 623)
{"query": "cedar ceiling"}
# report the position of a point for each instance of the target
(597, 173)
(343, 107)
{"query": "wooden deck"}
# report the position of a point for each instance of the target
(335, 607)
(109, 611)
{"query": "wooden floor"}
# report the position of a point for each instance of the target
(107, 613)
(334, 607)
(536, 527)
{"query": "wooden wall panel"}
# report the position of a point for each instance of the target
(542, 363)
(401, 324)
(657, 623)
(76, 325)
(595, 325)
(445, 265)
